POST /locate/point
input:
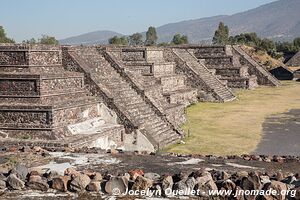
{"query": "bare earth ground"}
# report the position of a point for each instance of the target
(281, 135)
(123, 162)
(237, 127)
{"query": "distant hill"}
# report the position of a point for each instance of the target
(96, 37)
(278, 20)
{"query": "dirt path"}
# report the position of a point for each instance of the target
(281, 135)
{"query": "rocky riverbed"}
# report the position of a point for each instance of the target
(36, 173)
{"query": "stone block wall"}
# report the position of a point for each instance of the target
(154, 55)
(172, 83)
(163, 69)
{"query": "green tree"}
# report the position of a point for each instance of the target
(3, 37)
(296, 43)
(267, 45)
(250, 39)
(221, 36)
(180, 39)
(45, 39)
(151, 36)
(118, 40)
(30, 41)
(136, 39)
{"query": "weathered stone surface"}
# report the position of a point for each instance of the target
(142, 183)
(278, 187)
(117, 184)
(80, 182)
(186, 185)
(167, 183)
(135, 173)
(21, 171)
(97, 177)
(61, 183)
(152, 176)
(36, 182)
(2, 184)
(71, 172)
(14, 182)
(94, 186)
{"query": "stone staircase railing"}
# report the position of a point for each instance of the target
(259, 70)
(198, 80)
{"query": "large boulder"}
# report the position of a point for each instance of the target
(80, 182)
(15, 183)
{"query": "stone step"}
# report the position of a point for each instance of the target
(125, 97)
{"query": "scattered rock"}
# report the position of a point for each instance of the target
(118, 184)
(71, 172)
(205, 187)
(220, 175)
(37, 149)
(278, 187)
(2, 177)
(80, 182)
(97, 177)
(21, 171)
(228, 185)
(265, 179)
(37, 183)
(167, 183)
(135, 173)
(94, 186)
(185, 185)
(61, 183)
(152, 176)
(14, 182)
(142, 183)
(2, 184)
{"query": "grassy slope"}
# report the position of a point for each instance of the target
(235, 127)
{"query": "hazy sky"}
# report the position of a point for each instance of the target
(24, 19)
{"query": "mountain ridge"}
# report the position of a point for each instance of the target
(279, 20)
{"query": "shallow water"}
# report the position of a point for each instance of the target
(281, 134)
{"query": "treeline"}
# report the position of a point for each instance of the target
(274, 49)
(151, 39)
(45, 39)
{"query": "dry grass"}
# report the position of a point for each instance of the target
(263, 58)
(235, 127)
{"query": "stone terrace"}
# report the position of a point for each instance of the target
(114, 97)
(42, 102)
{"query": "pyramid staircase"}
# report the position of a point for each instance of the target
(134, 109)
(201, 77)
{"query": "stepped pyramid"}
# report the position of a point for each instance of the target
(42, 103)
(114, 97)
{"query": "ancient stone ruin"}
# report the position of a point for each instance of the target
(114, 97)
